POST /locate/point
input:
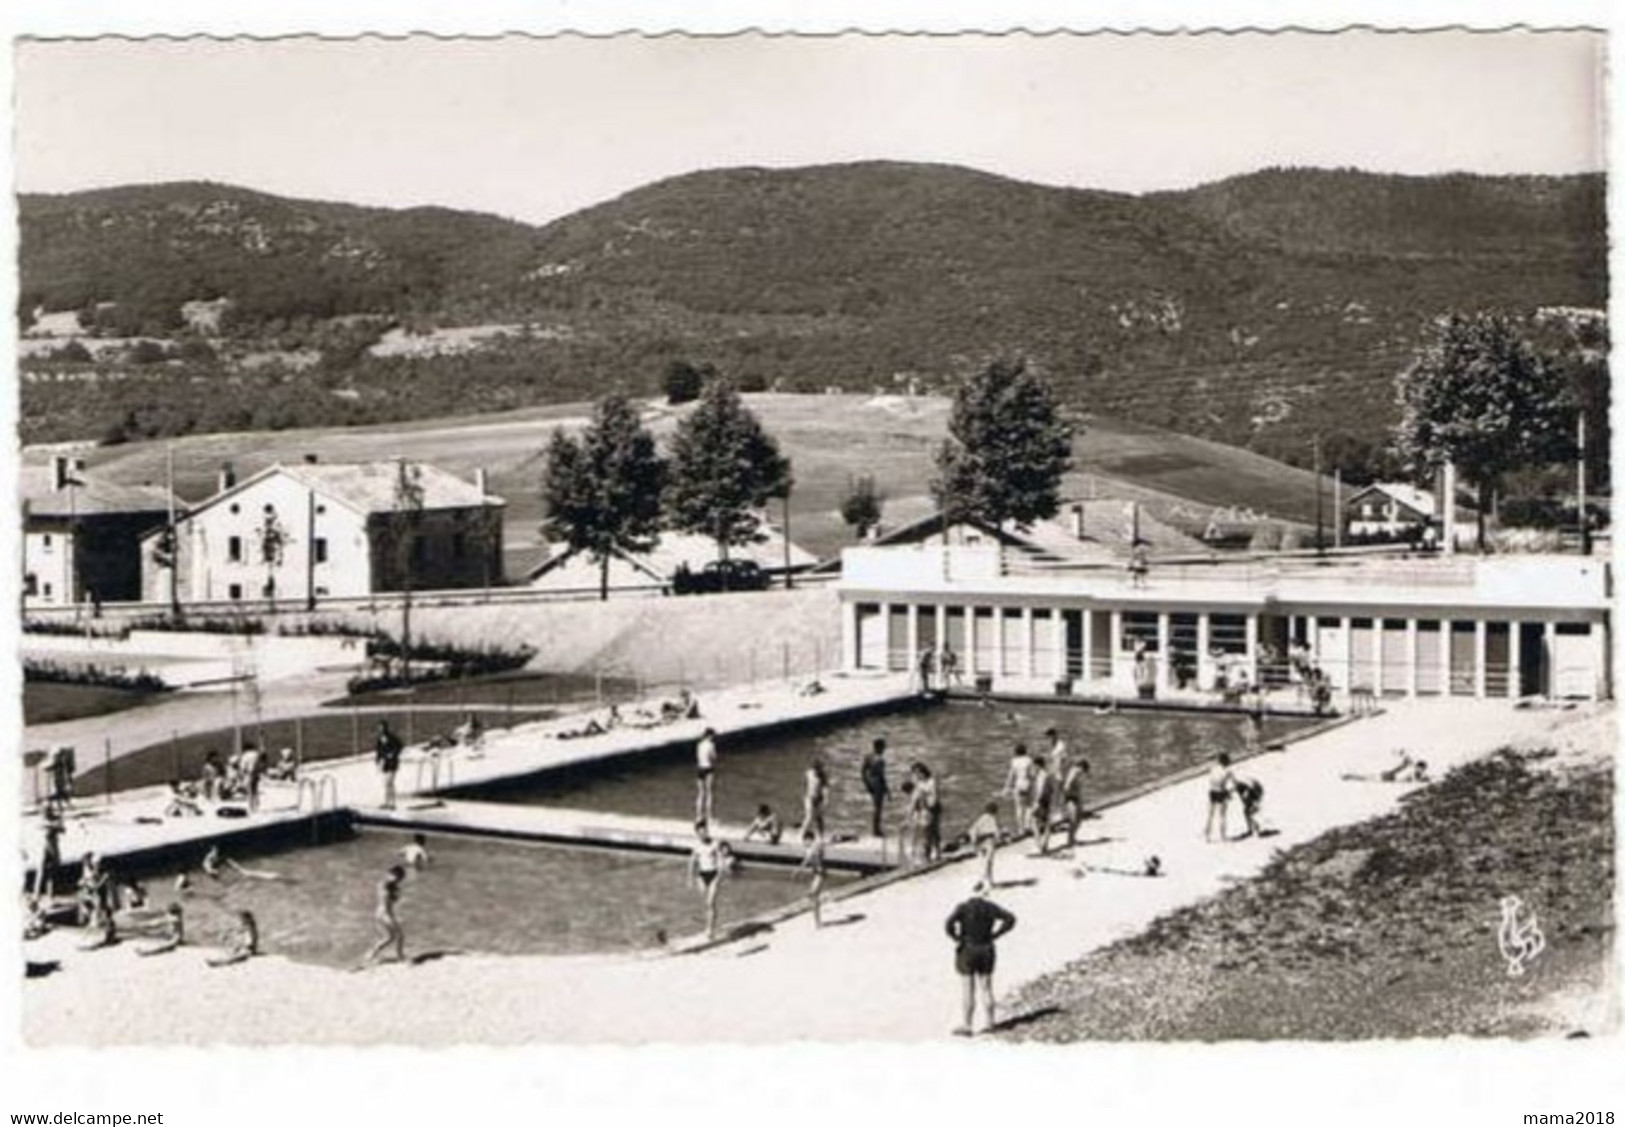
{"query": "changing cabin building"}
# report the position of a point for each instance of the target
(330, 529)
(1498, 626)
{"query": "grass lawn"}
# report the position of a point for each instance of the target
(49, 702)
(829, 438)
(1385, 929)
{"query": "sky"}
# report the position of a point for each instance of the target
(537, 128)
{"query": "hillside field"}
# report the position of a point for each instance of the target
(829, 438)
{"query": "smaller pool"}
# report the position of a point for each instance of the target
(476, 896)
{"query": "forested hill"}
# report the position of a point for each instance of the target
(1257, 310)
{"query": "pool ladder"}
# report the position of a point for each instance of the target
(320, 788)
(433, 761)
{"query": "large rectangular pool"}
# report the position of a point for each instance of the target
(967, 746)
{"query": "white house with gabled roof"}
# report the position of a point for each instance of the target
(331, 529)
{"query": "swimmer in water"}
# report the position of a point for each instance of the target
(416, 855)
(215, 865)
(244, 945)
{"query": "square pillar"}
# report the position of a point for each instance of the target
(942, 626)
(1410, 657)
(1514, 660)
(1348, 652)
(1480, 634)
(1087, 673)
(1204, 659)
(911, 636)
(1549, 640)
(1446, 632)
(1379, 630)
(1164, 658)
(849, 636)
(1114, 647)
(1026, 663)
(1252, 650)
(885, 637)
(998, 642)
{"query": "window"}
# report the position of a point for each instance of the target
(48, 543)
(234, 592)
(319, 546)
(49, 590)
(459, 545)
(234, 550)
(30, 584)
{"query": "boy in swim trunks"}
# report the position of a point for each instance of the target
(1018, 784)
(984, 838)
(974, 926)
(705, 769)
(1043, 801)
(1221, 780)
(705, 870)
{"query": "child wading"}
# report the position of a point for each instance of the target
(812, 863)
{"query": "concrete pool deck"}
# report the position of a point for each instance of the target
(884, 972)
(131, 821)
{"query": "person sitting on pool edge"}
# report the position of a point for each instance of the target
(174, 933)
(766, 825)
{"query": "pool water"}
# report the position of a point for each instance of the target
(967, 746)
(475, 896)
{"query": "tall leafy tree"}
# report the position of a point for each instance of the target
(603, 490)
(724, 468)
(863, 504)
(1007, 449)
(1480, 395)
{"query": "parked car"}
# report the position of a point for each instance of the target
(720, 575)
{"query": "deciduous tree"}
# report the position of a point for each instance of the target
(1480, 395)
(1007, 449)
(603, 490)
(724, 468)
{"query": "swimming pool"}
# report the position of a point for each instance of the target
(967, 746)
(475, 896)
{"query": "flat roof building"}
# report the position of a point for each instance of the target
(1497, 626)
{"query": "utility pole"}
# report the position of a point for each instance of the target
(172, 538)
(1580, 481)
(1320, 519)
(789, 581)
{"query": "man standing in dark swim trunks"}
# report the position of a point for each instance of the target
(975, 925)
(386, 751)
(874, 781)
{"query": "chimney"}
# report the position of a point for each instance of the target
(228, 476)
(480, 481)
(1077, 520)
(59, 472)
